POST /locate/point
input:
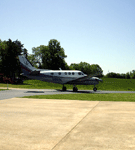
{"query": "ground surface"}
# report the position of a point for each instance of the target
(39, 124)
(28, 92)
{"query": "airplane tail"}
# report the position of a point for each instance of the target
(26, 66)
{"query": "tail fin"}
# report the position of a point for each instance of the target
(26, 65)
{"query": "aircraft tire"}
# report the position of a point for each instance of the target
(75, 89)
(64, 88)
(94, 89)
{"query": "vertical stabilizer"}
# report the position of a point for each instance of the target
(26, 65)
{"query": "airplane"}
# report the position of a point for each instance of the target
(73, 77)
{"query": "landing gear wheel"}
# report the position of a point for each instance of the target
(75, 89)
(95, 89)
(64, 88)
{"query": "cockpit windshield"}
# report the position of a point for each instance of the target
(80, 73)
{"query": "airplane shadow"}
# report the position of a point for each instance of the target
(34, 92)
(75, 92)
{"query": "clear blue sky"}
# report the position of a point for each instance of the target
(94, 31)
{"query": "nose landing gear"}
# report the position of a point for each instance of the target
(94, 89)
(75, 89)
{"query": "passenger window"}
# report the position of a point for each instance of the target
(69, 73)
(65, 73)
(52, 74)
(79, 73)
(73, 73)
(59, 73)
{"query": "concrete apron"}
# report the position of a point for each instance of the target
(40, 124)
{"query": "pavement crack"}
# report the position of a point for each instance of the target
(75, 126)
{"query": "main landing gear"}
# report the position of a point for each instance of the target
(75, 89)
(64, 88)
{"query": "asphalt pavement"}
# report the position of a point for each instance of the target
(11, 93)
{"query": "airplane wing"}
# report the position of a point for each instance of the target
(87, 80)
(80, 81)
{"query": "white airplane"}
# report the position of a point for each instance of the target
(74, 77)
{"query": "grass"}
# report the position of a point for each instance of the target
(117, 84)
(3, 89)
(113, 84)
(124, 97)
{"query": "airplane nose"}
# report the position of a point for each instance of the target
(100, 80)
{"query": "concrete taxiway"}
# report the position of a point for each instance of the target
(41, 124)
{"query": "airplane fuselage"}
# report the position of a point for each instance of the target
(74, 77)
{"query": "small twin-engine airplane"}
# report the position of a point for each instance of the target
(74, 77)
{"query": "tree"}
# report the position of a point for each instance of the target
(74, 66)
(2, 48)
(87, 68)
(83, 66)
(37, 55)
(111, 75)
(97, 70)
(116, 75)
(9, 52)
(127, 76)
(57, 55)
(51, 56)
(32, 60)
(132, 74)
(24, 51)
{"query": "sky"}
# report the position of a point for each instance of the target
(94, 31)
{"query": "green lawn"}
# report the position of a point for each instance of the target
(125, 97)
(3, 89)
(108, 84)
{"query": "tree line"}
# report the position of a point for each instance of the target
(128, 75)
(51, 56)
